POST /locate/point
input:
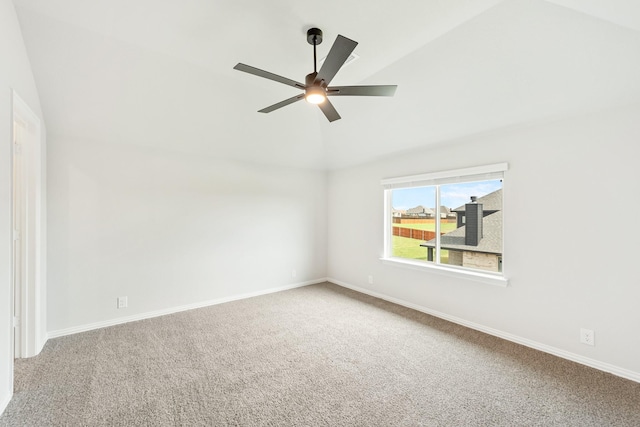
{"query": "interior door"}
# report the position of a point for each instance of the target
(18, 227)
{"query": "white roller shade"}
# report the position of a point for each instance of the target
(478, 173)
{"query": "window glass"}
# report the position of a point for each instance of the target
(472, 235)
(455, 224)
(413, 221)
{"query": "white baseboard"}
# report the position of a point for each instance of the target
(5, 402)
(606, 367)
(171, 310)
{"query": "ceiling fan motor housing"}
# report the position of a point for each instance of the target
(314, 92)
(310, 80)
(313, 88)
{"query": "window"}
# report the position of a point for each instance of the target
(449, 220)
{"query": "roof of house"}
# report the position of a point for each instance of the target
(491, 237)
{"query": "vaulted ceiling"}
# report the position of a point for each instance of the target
(160, 73)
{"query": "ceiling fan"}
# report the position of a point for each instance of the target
(316, 87)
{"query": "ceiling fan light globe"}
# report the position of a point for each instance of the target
(315, 98)
(315, 95)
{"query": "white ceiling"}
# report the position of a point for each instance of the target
(159, 73)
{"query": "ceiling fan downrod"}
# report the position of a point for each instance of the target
(314, 37)
(315, 91)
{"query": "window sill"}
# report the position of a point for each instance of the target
(487, 278)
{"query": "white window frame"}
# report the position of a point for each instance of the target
(478, 173)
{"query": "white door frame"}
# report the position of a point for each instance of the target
(29, 292)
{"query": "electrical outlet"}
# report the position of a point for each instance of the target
(294, 274)
(122, 302)
(370, 280)
(587, 336)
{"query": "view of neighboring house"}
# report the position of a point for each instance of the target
(398, 213)
(422, 212)
(445, 213)
(477, 240)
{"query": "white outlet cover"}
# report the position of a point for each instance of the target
(587, 336)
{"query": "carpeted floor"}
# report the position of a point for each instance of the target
(314, 356)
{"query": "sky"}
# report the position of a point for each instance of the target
(451, 195)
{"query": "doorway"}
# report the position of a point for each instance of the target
(28, 255)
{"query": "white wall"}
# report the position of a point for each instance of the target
(571, 209)
(169, 229)
(15, 73)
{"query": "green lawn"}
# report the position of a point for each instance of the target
(403, 247)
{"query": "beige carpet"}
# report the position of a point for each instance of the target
(315, 356)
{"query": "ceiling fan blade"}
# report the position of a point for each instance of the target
(388, 90)
(282, 104)
(338, 55)
(267, 75)
(329, 111)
